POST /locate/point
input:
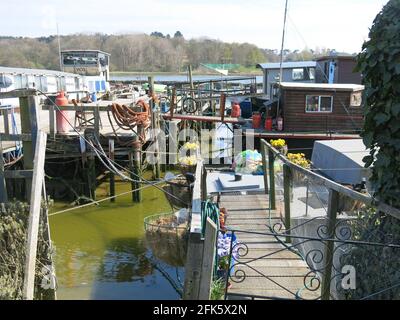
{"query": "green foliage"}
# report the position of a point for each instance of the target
(378, 266)
(379, 63)
(217, 289)
(13, 232)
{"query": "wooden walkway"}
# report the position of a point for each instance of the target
(280, 275)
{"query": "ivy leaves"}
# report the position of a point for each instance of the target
(379, 62)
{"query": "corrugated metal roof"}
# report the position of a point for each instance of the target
(288, 65)
(323, 86)
(36, 71)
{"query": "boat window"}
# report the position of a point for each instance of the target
(319, 103)
(298, 74)
(311, 73)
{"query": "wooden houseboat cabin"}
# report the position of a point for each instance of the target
(321, 107)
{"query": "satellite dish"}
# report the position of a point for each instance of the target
(5, 82)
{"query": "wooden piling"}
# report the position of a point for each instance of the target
(112, 174)
(135, 169)
(29, 125)
(34, 217)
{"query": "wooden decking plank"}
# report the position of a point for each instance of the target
(250, 217)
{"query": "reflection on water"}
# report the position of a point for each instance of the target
(101, 252)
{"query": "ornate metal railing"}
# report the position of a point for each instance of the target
(333, 237)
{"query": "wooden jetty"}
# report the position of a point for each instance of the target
(275, 272)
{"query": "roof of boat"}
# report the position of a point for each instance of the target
(11, 70)
(323, 86)
(84, 50)
(287, 65)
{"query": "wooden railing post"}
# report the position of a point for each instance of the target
(271, 164)
(3, 188)
(333, 205)
(194, 256)
(207, 268)
(287, 190)
(264, 163)
(34, 217)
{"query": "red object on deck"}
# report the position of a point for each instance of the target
(256, 118)
(236, 112)
(61, 116)
(268, 124)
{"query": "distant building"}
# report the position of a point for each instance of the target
(337, 69)
(298, 71)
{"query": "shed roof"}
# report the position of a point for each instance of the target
(322, 86)
(36, 72)
(287, 65)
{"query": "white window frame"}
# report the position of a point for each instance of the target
(319, 103)
(298, 70)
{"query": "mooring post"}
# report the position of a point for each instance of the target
(112, 174)
(134, 168)
(271, 164)
(287, 186)
(92, 176)
(333, 205)
(29, 125)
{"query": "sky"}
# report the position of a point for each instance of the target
(342, 25)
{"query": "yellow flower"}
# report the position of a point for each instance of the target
(279, 143)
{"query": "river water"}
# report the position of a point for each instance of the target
(101, 251)
(177, 77)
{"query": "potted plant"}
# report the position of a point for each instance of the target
(190, 153)
(280, 145)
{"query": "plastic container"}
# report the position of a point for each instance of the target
(61, 115)
(268, 124)
(256, 120)
(94, 97)
(246, 109)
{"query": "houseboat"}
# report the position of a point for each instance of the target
(92, 65)
(47, 81)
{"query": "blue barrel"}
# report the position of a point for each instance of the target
(247, 109)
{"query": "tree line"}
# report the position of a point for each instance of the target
(142, 52)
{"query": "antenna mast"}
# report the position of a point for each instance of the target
(281, 62)
(59, 49)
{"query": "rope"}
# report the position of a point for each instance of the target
(105, 199)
